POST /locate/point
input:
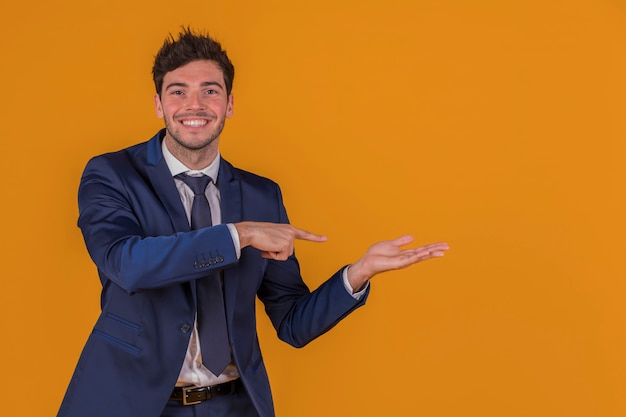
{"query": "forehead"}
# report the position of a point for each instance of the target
(196, 72)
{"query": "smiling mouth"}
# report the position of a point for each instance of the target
(195, 122)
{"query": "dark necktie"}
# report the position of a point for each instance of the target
(210, 299)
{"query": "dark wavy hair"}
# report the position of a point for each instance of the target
(190, 46)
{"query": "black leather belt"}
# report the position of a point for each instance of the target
(194, 395)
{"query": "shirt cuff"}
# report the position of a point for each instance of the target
(346, 284)
(235, 235)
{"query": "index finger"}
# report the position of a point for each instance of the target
(302, 234)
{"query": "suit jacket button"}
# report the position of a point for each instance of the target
(185, 328)
(198, 265)
(219, 259)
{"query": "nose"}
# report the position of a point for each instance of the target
(195, 102)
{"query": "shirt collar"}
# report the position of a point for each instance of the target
(176, 167)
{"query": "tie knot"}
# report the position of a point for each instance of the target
(197, 184)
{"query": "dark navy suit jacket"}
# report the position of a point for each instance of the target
(148, 259)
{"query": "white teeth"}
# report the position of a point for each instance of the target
(194, 123)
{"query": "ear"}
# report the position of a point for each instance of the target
(229, 106)
(158, 108)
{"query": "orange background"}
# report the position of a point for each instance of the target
(495, 125)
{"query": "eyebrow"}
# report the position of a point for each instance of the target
(204, 84)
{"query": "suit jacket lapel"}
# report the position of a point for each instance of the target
(230, 201)
(230, 193)
(164, 186)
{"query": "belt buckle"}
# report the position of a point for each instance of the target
(185, 391)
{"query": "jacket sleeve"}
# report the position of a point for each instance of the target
(131, 238)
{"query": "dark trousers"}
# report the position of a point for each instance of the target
(229, 405)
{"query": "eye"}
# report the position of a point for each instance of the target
(211, 92)
(177, 93)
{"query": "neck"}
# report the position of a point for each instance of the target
(196, 159)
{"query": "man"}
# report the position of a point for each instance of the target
(170, 263)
